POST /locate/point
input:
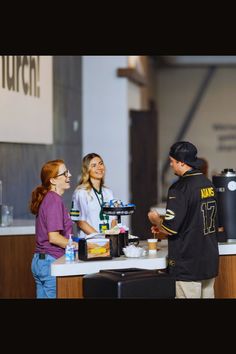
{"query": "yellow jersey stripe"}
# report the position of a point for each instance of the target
(193, 174)
(169, 230)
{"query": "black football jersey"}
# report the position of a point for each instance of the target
(192, 222)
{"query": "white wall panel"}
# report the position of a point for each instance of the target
(26, 107)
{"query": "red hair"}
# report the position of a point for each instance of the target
(49, 170)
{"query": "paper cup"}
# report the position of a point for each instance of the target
(152, 245)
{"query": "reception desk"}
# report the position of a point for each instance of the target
(70, 275)
(17, 245)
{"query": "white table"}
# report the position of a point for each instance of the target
(157, 261)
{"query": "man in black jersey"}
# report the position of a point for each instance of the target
(190, 224)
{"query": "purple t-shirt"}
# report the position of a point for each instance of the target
(52, 216)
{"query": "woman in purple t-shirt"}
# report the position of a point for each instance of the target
(53, 225)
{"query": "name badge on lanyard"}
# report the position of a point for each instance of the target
(104, 225)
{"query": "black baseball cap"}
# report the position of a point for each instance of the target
(186, 152)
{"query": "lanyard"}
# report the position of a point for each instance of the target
(101, 215)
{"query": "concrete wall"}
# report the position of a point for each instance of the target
(213, 127)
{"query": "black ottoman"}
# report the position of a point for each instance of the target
(129, 283)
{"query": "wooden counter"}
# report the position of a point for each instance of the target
(225, 285)
(17, 245)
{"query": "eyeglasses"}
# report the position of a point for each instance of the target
(65, 173)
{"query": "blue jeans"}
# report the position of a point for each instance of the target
(45, 282)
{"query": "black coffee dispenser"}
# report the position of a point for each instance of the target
(225, 184)
(122, 239)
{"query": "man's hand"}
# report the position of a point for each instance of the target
(158, 233)
(154, 218)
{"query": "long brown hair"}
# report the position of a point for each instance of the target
(85, 177)
(49, 170)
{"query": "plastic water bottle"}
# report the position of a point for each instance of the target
(69, 252)
(0, 192)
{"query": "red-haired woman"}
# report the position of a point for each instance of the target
(53, 224)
